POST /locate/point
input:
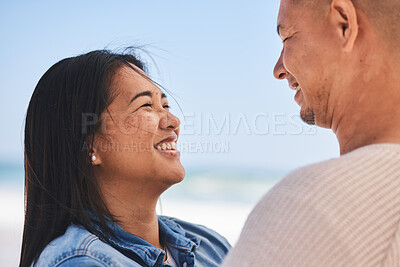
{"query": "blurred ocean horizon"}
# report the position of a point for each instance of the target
(209, 183)
(219, 197)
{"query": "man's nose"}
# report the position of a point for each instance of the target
(280, 72)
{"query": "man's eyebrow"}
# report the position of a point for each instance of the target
(163, 96)
(278, 29)
(145, 93)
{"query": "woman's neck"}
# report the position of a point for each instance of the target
(135, 210)
(143, 224)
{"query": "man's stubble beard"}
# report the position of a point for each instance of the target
(308, 116)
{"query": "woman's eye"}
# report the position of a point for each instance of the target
(150, 105)
(285, 39)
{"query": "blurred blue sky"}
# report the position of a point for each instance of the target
(216, 57)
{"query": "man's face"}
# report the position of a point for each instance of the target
(307, 60)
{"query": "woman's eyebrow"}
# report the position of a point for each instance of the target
(146, 93)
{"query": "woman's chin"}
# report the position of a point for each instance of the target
(175, 176)
(179, 174)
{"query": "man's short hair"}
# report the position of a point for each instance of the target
(384, 15)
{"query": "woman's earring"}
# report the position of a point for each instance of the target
(93, 157)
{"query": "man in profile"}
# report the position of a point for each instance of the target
(342, 57)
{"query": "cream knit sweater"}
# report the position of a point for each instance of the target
(341, 212)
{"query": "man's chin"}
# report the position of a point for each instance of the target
(308, 116)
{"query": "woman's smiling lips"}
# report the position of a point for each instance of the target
(168, 146)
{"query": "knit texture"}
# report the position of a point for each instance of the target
(341, 212)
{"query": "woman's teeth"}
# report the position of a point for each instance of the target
(166, 146)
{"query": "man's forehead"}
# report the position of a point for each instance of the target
(283, 15)
(290, 14)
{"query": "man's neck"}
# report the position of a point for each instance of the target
(365, 106)
(373, 118)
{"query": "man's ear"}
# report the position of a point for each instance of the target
(344, 18)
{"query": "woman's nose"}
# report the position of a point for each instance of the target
(169, 122)
(280, 71)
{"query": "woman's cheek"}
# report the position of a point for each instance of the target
(140, 124)
(129, 124)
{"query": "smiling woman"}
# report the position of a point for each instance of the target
(92, 185)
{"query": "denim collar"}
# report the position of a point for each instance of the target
(171, 233)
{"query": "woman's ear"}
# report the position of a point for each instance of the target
(344, 18)
(95, 158)
(94, 154)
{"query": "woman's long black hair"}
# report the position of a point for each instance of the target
(61, 119)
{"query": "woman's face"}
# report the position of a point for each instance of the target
(137, 144)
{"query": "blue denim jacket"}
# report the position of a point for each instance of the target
(190, 245)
